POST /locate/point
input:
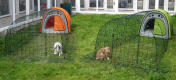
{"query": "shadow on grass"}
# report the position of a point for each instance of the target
(91, 57)
(73, 27)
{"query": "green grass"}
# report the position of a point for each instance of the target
(85, 29)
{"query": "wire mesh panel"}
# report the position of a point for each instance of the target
(128, 48)
(29, 43)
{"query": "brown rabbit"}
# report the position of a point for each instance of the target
(103, 53)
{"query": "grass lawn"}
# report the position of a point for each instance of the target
(85, 29)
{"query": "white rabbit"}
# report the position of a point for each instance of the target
(58, 48)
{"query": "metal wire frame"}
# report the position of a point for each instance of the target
(128, 48)
(30, 44)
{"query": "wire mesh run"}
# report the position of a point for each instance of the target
(128, 48)
(29, 43)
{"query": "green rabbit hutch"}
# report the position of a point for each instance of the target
(157, 23)
(139, 40)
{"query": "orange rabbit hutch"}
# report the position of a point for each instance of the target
(56, 20)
